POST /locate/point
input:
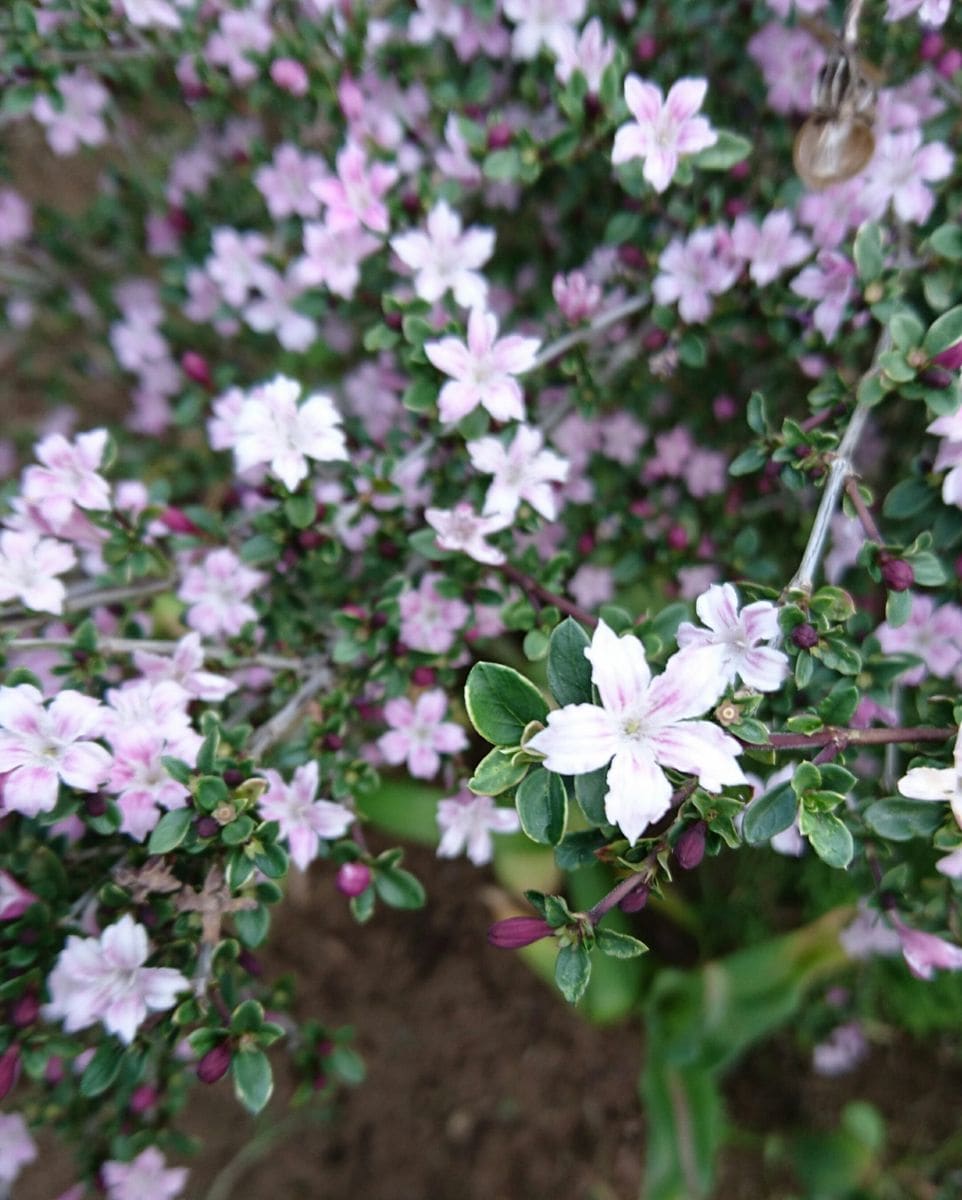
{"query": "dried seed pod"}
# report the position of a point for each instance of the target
(836, 142)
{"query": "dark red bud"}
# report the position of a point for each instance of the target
(586, 543)
(646, 47)
(215, 1064)
(206, 827)
(805, 636)
(500, 136)
(234, 776)
(352, 878)
(143, 1098)
(393, 320)
(9, 1070)
(320, 1082)
(422, 676)
(25, 1010)
(690, 847)
(636, 899)
(179, 221)
(897, 574)
(654, 339)
(632, 257)
(937, 378)
(53, 1072)
(95, 805)
(677, 537)
(178, 522)
(932, 46)
(515, 932)
(250, 963)
(951, 358)
(196, 368)
(333, 741)
(310, 539)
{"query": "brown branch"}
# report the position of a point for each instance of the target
(862, 511)
(843, 738)
(531, 588)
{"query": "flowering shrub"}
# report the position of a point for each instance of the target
(474, 392)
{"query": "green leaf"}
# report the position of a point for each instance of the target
(756, 414)
(247, 1017)
(928, 568)
(869, 258)
(300, 510)
(572, 972)
(543, 807)
(590, 791)
(252, 925)
(399, 888)
(238, 831)
(899, 820)
(729, 149)
(944, 332)
(501, 702)
(946, 241)
(749, 461)
(804, 669)
(495, 773)
(898, 608)
(502, 165)
(618, 945)
(769, 814)
(273, 861)
(807, 777)
(839, 705)
(102, 1069)
(907, 499)
(828, 836)
(170, 830)
(177, 769)
(420, 396)
(347, 1065)
(253, 1080)
(839, 656)
(569, 671)
(836, 778)
(906, 329)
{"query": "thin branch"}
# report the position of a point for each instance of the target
(862, 511)
(112, 645)
(842, 738)
(602, 322)
(853, 17)
(531, 587)
(283, 721)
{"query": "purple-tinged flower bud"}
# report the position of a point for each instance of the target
(215, 1064)
(143, 1098)
(290, 76)
(310, 539)
(632, 257)
(690, 847)
(515, 932)
(950, 63)
(320, 1082)
(937, 378)
(352, 878)
(422, 676)
(724, 407)
(95, 805)
(206, 827)
(53, 1072)
(196, 368)
(9, 1069)
(677, 537)
(178, 522)
(500, 136)
(333, 741)
(950, 358)
(897, 574)
(250, 963)
(932, 46)
(636, 899)
(646, 47)
(25, 1010)
(805, 636)
(234, 776)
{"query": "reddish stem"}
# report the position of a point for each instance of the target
(862, 511)
(841, 738)
(531, 587)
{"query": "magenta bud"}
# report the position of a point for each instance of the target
(677, 537)
(950, 358)
(422, 676)
(515, 932)
(143, 1098)
(206, 827)
(310, 539)
(290, 76)
(333, 741)
(53, 1072)
(25, 1010)
(950, 63)
(195, 367)
(586, 543)
(95, 805)
(215, 1064)
(234, 776)
(9, 1070)
(636, 899)
(932, 46)
(654, 340)
(805, 636)
(320, 1082)
(352, 878)
(500, 136)
(646, 47)
(897, 574)
(690, 847)
(632, 257)
(178, 522)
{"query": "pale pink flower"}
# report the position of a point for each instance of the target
(419, 735)
(222, 425)
(273, 428)
(733, 638)
(868, 935)
(146, 1177)
(274, 312)
(642, 726)
(769, 248)
(236, 264)
(454, 159)
(899, 171)
(591, 54)
(841, 1051)
(185, 667)
(925, 952)
(622, 436)
(467, 822)
(354, 196)
(524, 470)
(790, 60)
(931, 12)
(848, 538)
(147, 706)
(461, 528)
(692, 271)
(833, 212)
(830, 281)
(430, 620)
(146, 14)
(664, 128)
(304, 820)
(333, 260)
(591, 586)
(944, 785)
(539, 23)
(17, 1147)
(807, 7)
(40, 746)
(14, 898)
(287, 182)
(932, 634)
(435, 18)
(140, 780)
(217, 591)
(79, 122)
(29, 566)
(706, 473)
(290, 76)
(483, 370)
(576, 296)
(445, 258)
(16, 219)
(104, 979)
(69, 477)
(240, 33)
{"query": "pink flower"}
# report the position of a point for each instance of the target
(217, 592)
(29, 566)
(16, 219)
(429, 620)
(539, 23)
(272, 428)
(446, 259)
(14, 899)
(153, 13)
(642, 726)
(16, 1147)
(79, 121)
(354, 198)
(333, 260)
(103, 979)
(460, 528)
(833, 212)
(664, 129)
(576, 296)
(146, 1177)
(419, 735)
(932, 634)
(239, 34)
(482, 371)
(931, 12)
(304, 820)
(831, 281)
(591, 54)
(291, 76)
(900, 168)
(140, 780)
(524, 470)
(790, 60)
(925, 953)
(287, 183)
(40, 746)
(842, 1050)
(514, 932)
(770, 248)
(69, 477)
(692, 271)
(147, 706)
(273, 311)
(237, 265)
(733, 638)
(467, 821)
(185, 668)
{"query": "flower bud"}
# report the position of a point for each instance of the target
(353, 878)
(196, 368)
(515, 932)
(677, 537)
(932, 46)
(290, 76)
(215, 1064)
(805, 636)
(422, 676)
(250, 963)
(143, 1098)
(9, 1069)
(690, 847)
(95, 805)
(500, 136)
(646, 47)
(178, 522)
(950, 358)
(636, 899)
(950, 63)
(206, 827)
(25, 1010)
(897, 574)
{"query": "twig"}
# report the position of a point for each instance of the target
(84, 597)
(853, 17)
(279, 725)
(602, 322)
(861, 508)
(532, 588)
(111, 645)
(225, 1184)
(842, 738)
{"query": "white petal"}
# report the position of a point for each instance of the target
(579, 738)
(619, 669)
(638, 792)
(702, 749)
(928, 783)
